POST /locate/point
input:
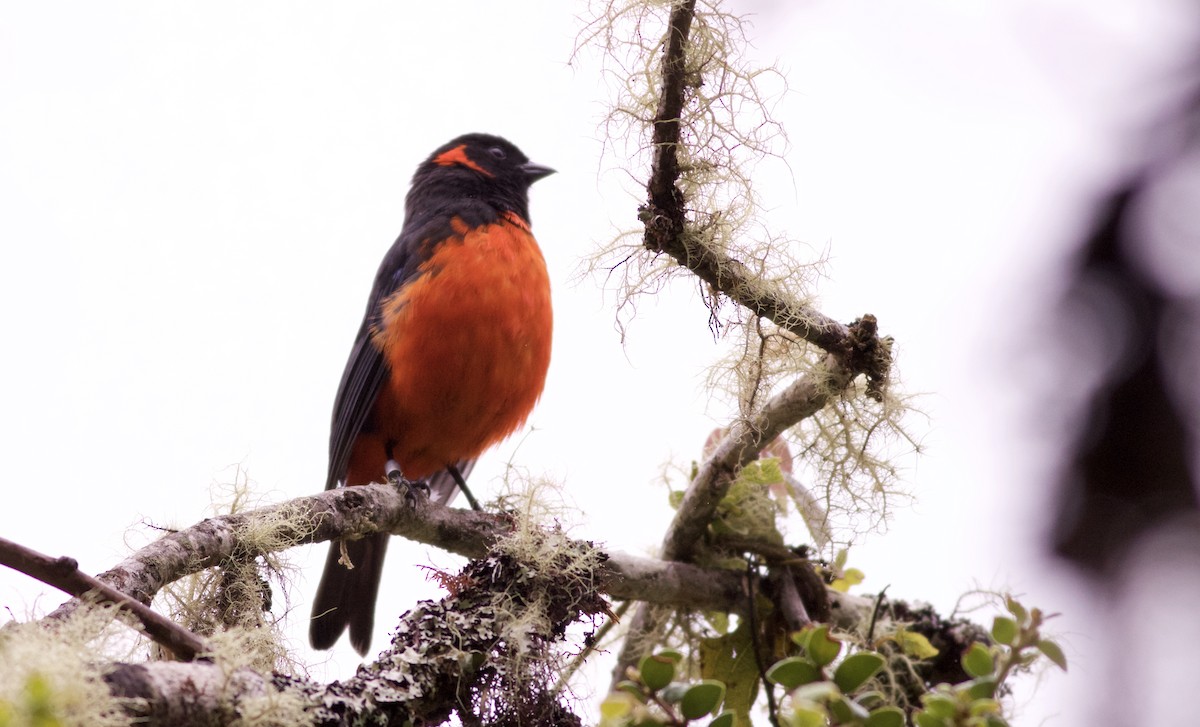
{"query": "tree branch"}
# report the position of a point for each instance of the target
(178, 694)
(803, 398)
(665, 219)
(358, 511)
(852, 350)
(63, 573)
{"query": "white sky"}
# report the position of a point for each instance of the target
(194, 198)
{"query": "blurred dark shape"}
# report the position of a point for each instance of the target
(1131, 469)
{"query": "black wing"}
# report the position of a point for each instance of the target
(365, 369)
(361, 381)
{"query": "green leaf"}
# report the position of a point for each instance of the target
(730, 659)
(915, 645)
(978, 661)
(727, 719)
(982, 688)
(719, 620)
(1053, 652)
(940, 705)
(657, 671)
(1004, 630)
(847, 710)
(1015, 608)
(981, 707)
(871, 699)
(925, 719)
(822, 649)
(856, 670)
(850, 577)
(885, 717)
(839, 560)
(812, 716)
(793, 672)
(701, 699)
(616, 706)
(631, 688)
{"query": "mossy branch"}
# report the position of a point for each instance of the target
(665, 216)
(746, 438)
(358, 511)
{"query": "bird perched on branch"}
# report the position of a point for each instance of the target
(450, 358)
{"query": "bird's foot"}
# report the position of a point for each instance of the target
(410, 487)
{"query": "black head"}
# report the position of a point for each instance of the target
(481, 166)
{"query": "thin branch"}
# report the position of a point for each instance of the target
(63, 573)
(803, 398)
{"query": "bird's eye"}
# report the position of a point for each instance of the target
(497, 152)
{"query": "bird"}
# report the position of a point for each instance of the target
(450, 359)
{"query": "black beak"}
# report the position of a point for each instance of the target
(534, 172)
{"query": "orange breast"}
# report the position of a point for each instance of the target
(468, 344)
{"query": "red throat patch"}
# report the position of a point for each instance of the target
(458, 155)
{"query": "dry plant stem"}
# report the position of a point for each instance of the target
(665, 217)
(63, 573)
(357, 511)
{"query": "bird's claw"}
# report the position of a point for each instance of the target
(412, 489)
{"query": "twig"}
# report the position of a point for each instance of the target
(63, 573)
(768, 687)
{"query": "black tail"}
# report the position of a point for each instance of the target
(345, 597)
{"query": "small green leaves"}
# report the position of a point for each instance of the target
(847, 711)
(1053, 652)
(1015, 608)
(856, 670)
(725, 720)
(808, 716)
(821, 648)
(982, 687)
(844, 578)
(658, 670)
(940, 706)
(701, 699)
(925, 719)
(793, 672)
(885, 717)
(978, 661)
(1004, 630)
(829, 680)
(915, 645)
(850, 577)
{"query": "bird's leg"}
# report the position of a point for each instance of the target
(396, 478)
(462, 485)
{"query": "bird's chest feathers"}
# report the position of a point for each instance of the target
(472, 330)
